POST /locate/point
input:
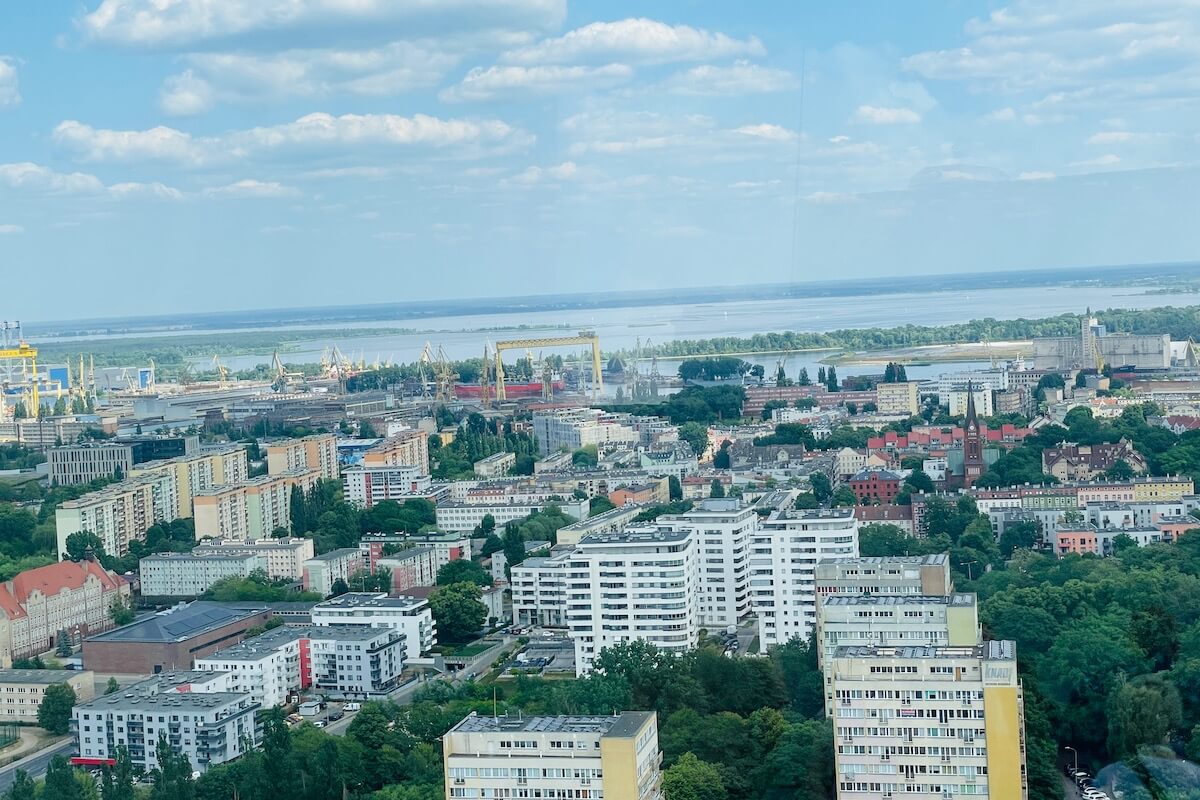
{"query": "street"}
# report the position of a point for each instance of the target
(34, 764)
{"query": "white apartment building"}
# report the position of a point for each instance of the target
(573, 428)
(895, 620)
(898, 398)
(495, 465)
(578, 757)
(611, 521)
(317, 452)
(892, 575)
(252, 509)
(538, 587)
(637, 584)
(416, 566)
(209, 466)
(191, 575)
(196, 711)
(928, 723)
(722, 529)
(284, 558)
(454, 516)
(324, 570)
(407, 448)
(366, 486)
(784, 553)
(22, 690)
(409, 616)
(988, 381)
(982, 398)
(120, 513)
(348, 661)
(447, 546)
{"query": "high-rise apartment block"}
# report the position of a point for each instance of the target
(365, 486)
(928, 723)
(405, 449)
(722, 530)
(894, 575)
(75, 464)
(317, 452)
(252, 509)
(583, 758)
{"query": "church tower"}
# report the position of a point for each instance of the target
(973, 464)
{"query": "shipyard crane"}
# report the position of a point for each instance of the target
(222, 370)
(584, 337)
(18, 365)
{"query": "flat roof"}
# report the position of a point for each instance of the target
(333, 555)
(269, 641)
(198, 557)
(46, 676)
(179, 623)
(991, 651)
(623, 725)
(957, 599)
(636, 536)
(878, 561)
(368, 600)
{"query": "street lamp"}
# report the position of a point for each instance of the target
(970, 572)
(1076, 752)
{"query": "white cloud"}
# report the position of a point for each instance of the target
(1002, 115)
(168, 23)
(1036, 175)
(185, 95)
(560, 172)
(393, 236)
(272, 230)
(740, 78)
(765, 130)
(840, 138)
(249, 187)
(311, 132)
(156, 191)
(1121, 137)
(9, 229)
(499, 81)
(830, 198)
(10, 94)
(682, 231)
(1106, 160)
(877, 115)
(34, 177)
(637, 40)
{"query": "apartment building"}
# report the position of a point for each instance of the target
(609, 521)
(317, 452)
(346, 661)
(447, 547)
(457, 516)
(785, 550)
(191, 575)
(409, 616)
(365, 486)
(120, 513)
(898, 398)
(891, 575)
(322, 571)
(572, 428)
(581, 757)
(282, 558)
(651, 492)
(38, 604)
(75, 464)
(928, 722)
(204, 469)
(495, 465)
(407, 448)
(636, 584)
(416, 566)
(722, 529)
(252, 509)
(196, 711)
(898, 620)
(22, 690)
(538, 587)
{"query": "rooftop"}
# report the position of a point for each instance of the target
(959, 599)
(46, 676)
(635, 536)
(268, 642)
(990, 651)
(622, 725)
(169, 690)
(178, 623)
(937, 559)
(334, 555)
(198, 557)
(368, 600)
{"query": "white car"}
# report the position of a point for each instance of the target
(320, 723)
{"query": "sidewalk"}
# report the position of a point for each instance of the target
(30, 742)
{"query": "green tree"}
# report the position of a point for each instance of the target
(722, 458)
(1145, 711)
(803, 380)
(22, 787)
(117, 780)
(843, 496)
(696, 435)
(657, 679)
(458, 610)
(831, 379)
(122, 611)
(806, 500)
(338, 588)
(54, 712)
(689, 778)
(60, 781)
(173, 774)
(821, 486)
(112, 687)
(1019, 535)
(463, 569)
(716, 488)
(77, 545)
(675, 488)
(62, 644)
(1120, 471)
(598, 505)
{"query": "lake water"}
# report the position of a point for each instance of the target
(621, 328)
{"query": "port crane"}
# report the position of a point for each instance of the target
(584, 337)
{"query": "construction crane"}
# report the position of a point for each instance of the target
(445, 377)
(18, 365)
(282, 378)
(424, 367)
(222, 370)
(1090, 343)
(584, 337)
(485, 376)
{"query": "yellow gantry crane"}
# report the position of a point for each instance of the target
(18, 364)
(584, 337)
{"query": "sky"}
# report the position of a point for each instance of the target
(160, 156)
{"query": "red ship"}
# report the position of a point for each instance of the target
(511, 390)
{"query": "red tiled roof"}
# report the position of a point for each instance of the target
(50, 580)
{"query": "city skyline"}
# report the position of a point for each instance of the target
(254, 155)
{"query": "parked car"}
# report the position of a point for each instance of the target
(352, 707)
(320, 723)
(335, 716)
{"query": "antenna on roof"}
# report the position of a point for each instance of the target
(495, 712)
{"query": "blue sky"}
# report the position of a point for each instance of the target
(169, 155)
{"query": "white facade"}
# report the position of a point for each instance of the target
(120, 513)
(323, 571)
(366, 486)
(495, 465)
(197, 712)
(928, 723)
(406, 615)
(190, 575)
(983, 402)
(722, 529)
(284, 558)
(640, 584)
(784, 553)
(993, 380)
(468, 516)
(573, 428)
(539, 595)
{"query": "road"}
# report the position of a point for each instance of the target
(36, 763)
